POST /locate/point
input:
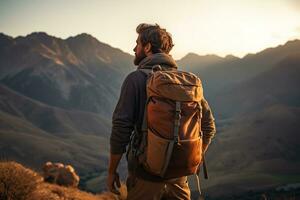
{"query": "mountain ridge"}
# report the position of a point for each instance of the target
(61, 93)
(66, 68)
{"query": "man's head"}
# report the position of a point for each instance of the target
(152, 39)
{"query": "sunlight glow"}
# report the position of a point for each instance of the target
(199, 26)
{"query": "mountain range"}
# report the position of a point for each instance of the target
(57, 97)
(256, 104)
(78, 73)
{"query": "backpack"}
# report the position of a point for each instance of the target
(171, 143)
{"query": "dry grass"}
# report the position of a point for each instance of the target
(48, 191)
(18, 182)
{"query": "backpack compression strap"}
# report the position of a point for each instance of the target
(175, 139)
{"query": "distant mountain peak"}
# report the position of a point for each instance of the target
(39, 33)
(84, 37)
(191, 55)
(197, 56)
(5, 39)
(2, 35)
(292, 42)
(40, 36)
(231, 57)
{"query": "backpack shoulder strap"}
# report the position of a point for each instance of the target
(146, 71)
(149, 71)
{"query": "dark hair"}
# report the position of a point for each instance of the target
(159, 38)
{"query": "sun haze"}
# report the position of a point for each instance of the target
(203, 27)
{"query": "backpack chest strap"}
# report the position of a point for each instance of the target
(177, 121)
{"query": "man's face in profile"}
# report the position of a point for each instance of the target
(139, 52)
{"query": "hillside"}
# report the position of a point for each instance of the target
(231, 71)
(278, 85)
(57, 97)
(255, 151)
(257, 116)
(77, 73)
(259, 134)
(23, 183)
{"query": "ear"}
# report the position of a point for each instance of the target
(147, 48)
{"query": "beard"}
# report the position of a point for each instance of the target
(139, 57)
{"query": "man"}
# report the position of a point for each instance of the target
(152, 48)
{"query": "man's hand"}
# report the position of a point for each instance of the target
(113, 180)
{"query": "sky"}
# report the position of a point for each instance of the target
(203, 27)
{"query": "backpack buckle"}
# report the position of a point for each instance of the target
(156, 68)
(176, 139)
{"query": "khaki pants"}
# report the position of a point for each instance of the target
(139, 189)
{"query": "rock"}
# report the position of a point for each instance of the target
(60, 174)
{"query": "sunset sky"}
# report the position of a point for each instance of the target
(204, 27)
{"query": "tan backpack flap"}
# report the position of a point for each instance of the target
(156, 153)
(161, 114)
(186, 156)
(175, 85)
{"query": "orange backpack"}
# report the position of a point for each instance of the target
(171, 144)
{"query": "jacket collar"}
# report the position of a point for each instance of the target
(165, 60)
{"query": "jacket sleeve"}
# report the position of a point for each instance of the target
(207, 122)
(124, 117)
